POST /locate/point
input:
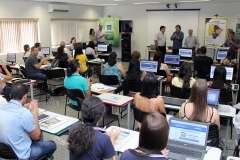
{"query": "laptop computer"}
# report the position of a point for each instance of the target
(172, 59)
(221, 54)
(187, 139)
(185, 53)
(149, 66)
(229, 73)
(152, 47)
(213, 97)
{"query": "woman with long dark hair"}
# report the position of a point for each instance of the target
(90, 50)
(92, 36)
(184, 79)
(73, 42)
(62, 57)
(153, 139)
(26, 52)
(86, 140)
(230, 59)
(74, 80)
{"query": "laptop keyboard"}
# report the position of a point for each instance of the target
(184, 151)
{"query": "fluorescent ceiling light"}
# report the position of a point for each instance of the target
(195, 1)
(146, 3)
(82, 2)
(106, 4)
(118, 0)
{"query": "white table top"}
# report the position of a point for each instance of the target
(213, 153)
(232, 158)
(61, 128)
(122, 100)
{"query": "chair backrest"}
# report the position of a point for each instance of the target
(162, 73)
(134, 86)
(55, 73)
(203, 71)
(23, 72)
(54, 53)
(213, 134)
(75, 95)
(225, 97)
(90, 56)
(179, 93)
(109, 79)
(62, 64)
(106, 58)
(24, 58)
(6, 151)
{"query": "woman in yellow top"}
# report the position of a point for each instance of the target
(83, 59)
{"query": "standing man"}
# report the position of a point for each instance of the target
(20, 127)
(191, 41)
(177, 38)
(101, 35)
(232, 42)
(160, 40)
(39, 47)
(32, 68)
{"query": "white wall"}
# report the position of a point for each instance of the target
(138, 14)
(26, 9)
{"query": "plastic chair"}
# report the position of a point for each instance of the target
(133, 86)
(90, 56)
(179, 93)
(109, 80)
(55, 77)
(76, 95)
(213, 133)
(54, 53)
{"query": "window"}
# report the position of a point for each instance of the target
(15, 33)
(64, 30)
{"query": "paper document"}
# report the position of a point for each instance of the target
(99, 87)
(112, 98)
(224, 109)
(123, 137)
(52, 122)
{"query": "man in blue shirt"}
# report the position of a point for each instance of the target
(177, 38)
(20, 126)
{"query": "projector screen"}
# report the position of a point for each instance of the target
(169, 19)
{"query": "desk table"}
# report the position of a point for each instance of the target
(122, 101)
(224, 115)
(61, 128)
(99, 88)
(212, 152)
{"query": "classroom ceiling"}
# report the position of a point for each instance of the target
(129, 2)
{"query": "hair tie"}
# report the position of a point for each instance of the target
(88, 124)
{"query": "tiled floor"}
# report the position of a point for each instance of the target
(56, 104)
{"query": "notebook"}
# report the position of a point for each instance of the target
(213, 97)
(149, 66)
(187, 139)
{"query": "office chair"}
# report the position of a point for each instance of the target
(179, 93)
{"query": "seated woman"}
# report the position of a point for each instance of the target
(158, 56)
(153, 140)
(92, 36)
(184, 79)
(148, 100)
(86, 140)
(5, 76)
(90, 49)
(73, 42)
(115, 68)
(66, 50)
(26, 52)
(219, 80)
(83, 59)
(63, 57)
(230, 59)
(74, 80)
(197, 109)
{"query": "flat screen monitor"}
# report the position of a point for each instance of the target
(229, 72)
(172, 59)
(149, 66)
(185, 53)
(102, 47)
(221, 54)
(213, 96)
(45, 50)
(11, 57)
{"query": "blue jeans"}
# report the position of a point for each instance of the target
(39, 149)
(40, 76)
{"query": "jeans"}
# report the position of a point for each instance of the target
(40, 76)
(175, 51)
(89, 72)
(39, 149)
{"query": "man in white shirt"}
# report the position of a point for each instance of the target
(40, 54)
(101, 35)
(3, 101)
(160, 40)
(191, 41)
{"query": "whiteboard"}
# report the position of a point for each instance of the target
(169, 19)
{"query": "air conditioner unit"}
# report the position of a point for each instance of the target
(58, 8)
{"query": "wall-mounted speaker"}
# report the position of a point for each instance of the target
(126, 54)
(126, 47)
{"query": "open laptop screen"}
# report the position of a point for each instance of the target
(102, 47)
(11, 57)
(221, 54)
(185, 52)
(213, 96)
(229, 72)
(188, 132)
(149, 66)
(45, 50)
(172, 59)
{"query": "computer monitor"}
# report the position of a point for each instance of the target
(229, 72)
(45, 50)
(102, 47)
(213, 97)
(149, 66)
(11, 57)
(185, 53)
(221, 54)
(172, 59)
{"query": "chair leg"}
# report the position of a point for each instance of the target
(103, 121)
(118, 122)
(78, 114)
(231, 127)
(133, 124)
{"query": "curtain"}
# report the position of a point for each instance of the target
(15, 33)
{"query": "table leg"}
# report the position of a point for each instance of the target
(226, 138)
(160, 92)
(128, 115)
(31, 91)
(101, 68)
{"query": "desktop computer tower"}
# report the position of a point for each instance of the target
(126, 47)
